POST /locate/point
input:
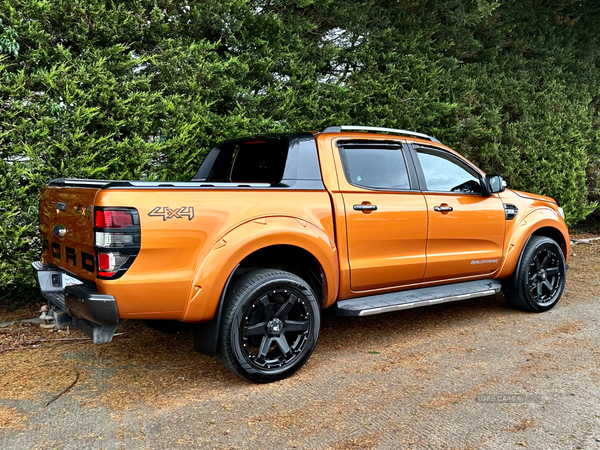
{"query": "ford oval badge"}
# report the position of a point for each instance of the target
(60, 231)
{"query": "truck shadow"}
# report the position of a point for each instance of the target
(146, 366)
(389, 327)
(338, 334)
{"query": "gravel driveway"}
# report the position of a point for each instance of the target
(466, 375)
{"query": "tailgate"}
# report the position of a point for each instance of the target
(67, 229)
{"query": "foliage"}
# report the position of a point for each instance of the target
(143, 88)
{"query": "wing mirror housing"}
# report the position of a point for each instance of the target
(495, 184)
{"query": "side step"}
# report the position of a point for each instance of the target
(396, 301)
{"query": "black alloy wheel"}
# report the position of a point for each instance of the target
(539, 280)
(270, 325)
(545, 275)
(274, 329)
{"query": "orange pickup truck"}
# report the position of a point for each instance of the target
(273, 229)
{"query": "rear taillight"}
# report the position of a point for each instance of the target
(110, 263)
(117, 240)
(104, 239)
(114, 218)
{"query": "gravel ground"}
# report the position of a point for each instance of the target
(466, 375)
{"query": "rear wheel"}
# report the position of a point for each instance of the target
(539, 282)
(270, 325)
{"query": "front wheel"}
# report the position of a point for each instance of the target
(539, 281)
(270, 325)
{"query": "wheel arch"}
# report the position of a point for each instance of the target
(263, 241)
(289, 258)
(540, 222)
(556, 235)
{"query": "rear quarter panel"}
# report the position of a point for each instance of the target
(253, 235)
(161, 281)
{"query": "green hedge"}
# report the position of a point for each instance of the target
(142, 89)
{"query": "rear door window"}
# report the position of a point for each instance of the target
(375, 167)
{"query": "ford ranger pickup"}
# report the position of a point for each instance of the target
(273, 229)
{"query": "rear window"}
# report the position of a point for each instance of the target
(253, 161)
(375, 167)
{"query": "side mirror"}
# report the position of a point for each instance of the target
(495, 184)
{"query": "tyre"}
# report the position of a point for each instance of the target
(539, 281)
(270, 325)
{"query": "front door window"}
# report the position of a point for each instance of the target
(443, 173)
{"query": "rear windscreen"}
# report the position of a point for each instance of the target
(256, 161)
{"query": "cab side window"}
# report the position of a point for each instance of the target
(375, 168)
(444, 173)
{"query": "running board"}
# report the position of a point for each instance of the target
(396, 301)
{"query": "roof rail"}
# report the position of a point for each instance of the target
(339, 128)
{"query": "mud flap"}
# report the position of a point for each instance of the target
(206, 335)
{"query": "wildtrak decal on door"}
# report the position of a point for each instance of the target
(484, 261)
(172, 213)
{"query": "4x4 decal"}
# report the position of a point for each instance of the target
(172, 213)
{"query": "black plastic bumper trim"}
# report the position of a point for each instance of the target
(87, 304)
(80, 301)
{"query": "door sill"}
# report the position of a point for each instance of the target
(397, 301)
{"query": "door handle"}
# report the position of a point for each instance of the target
(443, 209)
(364, 207)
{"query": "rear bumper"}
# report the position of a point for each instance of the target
(77, 305)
